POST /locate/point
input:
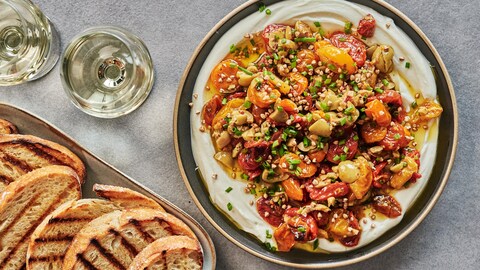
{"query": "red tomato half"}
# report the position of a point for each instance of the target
(366, 26)
(356, 48)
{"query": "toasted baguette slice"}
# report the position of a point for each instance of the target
(170, 253)
(20, 154)
(125, 197)
(113, 240)
(25, 203)
(7, 127)
(53, 236)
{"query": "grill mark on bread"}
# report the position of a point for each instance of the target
(129, 247)
(45, 258)
(85, 262)
(107, 255)
(136, 224)
(67, 220)
(20, 164)
(26, 236)
(38, 149)
(66, 238)
(5, 179)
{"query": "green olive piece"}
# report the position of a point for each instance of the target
(321, 128)
(383, 58)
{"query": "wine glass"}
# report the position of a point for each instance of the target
(107, 71)
(29, 43)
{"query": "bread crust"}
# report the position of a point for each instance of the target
(7, 127)
(125, 197)
(26, 202)
(161, 248)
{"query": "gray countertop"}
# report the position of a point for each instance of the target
(141, 143)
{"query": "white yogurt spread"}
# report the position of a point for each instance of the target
(332, 15)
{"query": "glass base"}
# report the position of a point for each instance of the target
(107, 72)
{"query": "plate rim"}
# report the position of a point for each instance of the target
(425, 210)
(178, 212)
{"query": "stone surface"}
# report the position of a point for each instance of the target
(173, 29)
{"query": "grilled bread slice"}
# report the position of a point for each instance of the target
(53, 236)
(20, 154)
(125, 197)
(170, 253)
(25, 203)
(113, 240)
(7, 127)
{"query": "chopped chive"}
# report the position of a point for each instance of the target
(345, 149)
(229, 206)
(343, 157)
(355, 138)
(396, 136)
(301, 229)
(293, 161)
(268, 234)
(407, 64)
(342, 39)
(318, 84)
(305, 39)
(304, 73)
(343, 121)
(341, 76)
(349, 110)
(327, 81)
(378, 90)
(224, 101)
(247, 104)
(253, 191)
(414, 104)
(309, 118)
(262, 7)
(244, 176)
(252, 42)
(233, 48)
(309, 67)
(342, 142)
(336, 158)
(355, 88)
(324, 106)
(348, 27)
(275, 56)
(332, 85)
(228, 189)
(246, 71)
(385, 82)
(317, 24)
(332, 67)
(280, 108)
(268, 11)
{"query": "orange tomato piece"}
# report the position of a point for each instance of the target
(298, 82)
(376, 109)
(261, 93)
(426, 111)
(362, 185)
(228, 108)
(291, 163)
(371, 132)
(292, 189)
(223, 76)
(284, 237)
(288, 105)
(335, 56)
(319, 156)
(304, 60)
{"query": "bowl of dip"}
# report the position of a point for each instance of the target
(195, 151)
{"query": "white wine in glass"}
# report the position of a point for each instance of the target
(107, 71)
(29, 43)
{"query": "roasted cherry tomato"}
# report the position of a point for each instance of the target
(298, 82)
(317, 156)
(288, 105)
(305, 59)
(356, 48)
(261, 93)
(380, 114)
(257, 112)
(390, 97)
(335, 56)
(387, 205)
(292, 189)
(372, 132)
(271, 212)
(253, 156)
(293, 164)
(273, 32)
(303, 227)
(336, 190)
(211, 108)
(351, 241)
(399, 179)
(395, 138)
(284, 237)
(381, 176)
(228, 108)
(366, 26)
(362, 185)
(338, 152)
(224, 77)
